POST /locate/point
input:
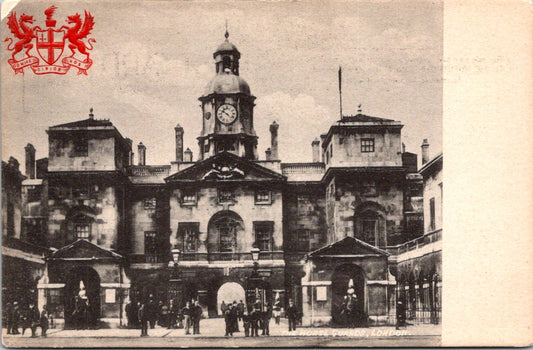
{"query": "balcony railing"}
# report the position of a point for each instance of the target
(416, 243)
(210, 257)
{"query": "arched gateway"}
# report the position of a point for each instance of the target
(229, 292)
(82, 298)
(348, 296)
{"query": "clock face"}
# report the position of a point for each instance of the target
(226, 114)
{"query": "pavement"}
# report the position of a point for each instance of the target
(212, 335)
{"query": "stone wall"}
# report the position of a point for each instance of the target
(244, 205)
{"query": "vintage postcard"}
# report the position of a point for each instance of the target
(223, 174)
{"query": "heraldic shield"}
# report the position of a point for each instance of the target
(50, 44)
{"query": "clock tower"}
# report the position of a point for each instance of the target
(227, 109)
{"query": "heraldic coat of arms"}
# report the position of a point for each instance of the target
(50, 43)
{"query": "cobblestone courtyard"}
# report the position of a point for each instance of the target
(212, 335)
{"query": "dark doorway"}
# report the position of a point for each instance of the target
(355, 313)
(82, 298)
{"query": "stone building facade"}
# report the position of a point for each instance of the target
(187, 230)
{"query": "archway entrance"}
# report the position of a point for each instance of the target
(229, 292)
(82, 298)
(353, 314)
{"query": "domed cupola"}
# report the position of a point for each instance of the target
(227, 57)
(227, 106)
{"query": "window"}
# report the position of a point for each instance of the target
(150, 203)
(227, 229)
(82, 192)
(189, 232)
(368, 227)
(302, 240)
(81, 146)
(188, 197)
(263, 234)
(305, 207)
(150, 246)
(369, 230)
(331, 150)
(432, 214)
(225, 196)
(262, 197)
(367, 145)
(369, 188)
(82, 230)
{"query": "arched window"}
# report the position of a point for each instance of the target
(224, 229)
(370, 224)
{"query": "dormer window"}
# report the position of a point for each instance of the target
(150, 203)
(188, 197)
(82, 230)
(263, 197)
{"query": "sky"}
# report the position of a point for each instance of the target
(152, 60)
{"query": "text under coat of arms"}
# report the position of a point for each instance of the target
(50, 43)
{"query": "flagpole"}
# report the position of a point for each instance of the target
(340, 90)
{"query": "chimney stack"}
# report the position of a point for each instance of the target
(179, 143)
(142, 153)
(274, 140)
(30, 161)
(268, 154)
(187, 155)
(130, 152)
(315, 145)
(425, 151)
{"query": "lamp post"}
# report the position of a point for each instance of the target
(255, 280)
(174, 275)
(255, 257)
(175, 256)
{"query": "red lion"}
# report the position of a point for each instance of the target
(74, 34)
(25, 36)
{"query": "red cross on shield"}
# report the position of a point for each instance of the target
(50, 44)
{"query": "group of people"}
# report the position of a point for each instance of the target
(256, 317)
(171, 315)
(26, 317)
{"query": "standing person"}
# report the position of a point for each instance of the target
(144, 318)
(187, 313)
(44, 321)
(246, 323)
(8, 312)
(236, 320)
(16, 318)
(197, 316)
(164, 318)
(240, 310)
(151, 309)
(172, 314)
(256, 318)
(267, 315)
(277, 311)
(129, 313)
(135, 314)
(228, 321)
(400, 314)
(34, 318)
(223, 307)
(292, 315)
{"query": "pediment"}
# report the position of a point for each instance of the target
(347, 247)
(225, 167)
(83, 249)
